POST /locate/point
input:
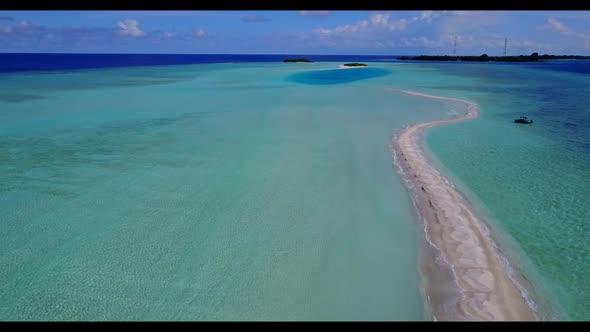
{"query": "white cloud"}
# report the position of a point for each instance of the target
(466, 12)
(344, 29)
(433, 32)
(25, 25)
(402, 24)
(427, 15)
(556, 25)
(21, 26)
(380, 19)
(420, 42)
(430, 15)
(566, 39)
(468, 22)
(130, 28)
(314, 13)
(254, 19)
(200, 34)
(378, 22)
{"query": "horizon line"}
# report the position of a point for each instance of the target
(287, 54)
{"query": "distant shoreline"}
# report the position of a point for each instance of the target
(51, 62)
(535, 57)
(472, 283)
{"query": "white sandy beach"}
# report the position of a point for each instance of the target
(350, 67)
(457, 235)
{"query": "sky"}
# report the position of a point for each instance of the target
(296, 32)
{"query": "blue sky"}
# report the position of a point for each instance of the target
(296, 32)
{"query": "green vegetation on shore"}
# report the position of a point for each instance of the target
(354, 64)
(297, 60)
(485, 58)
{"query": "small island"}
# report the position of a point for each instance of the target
(297, 60)
(354, 64)
(485, 58)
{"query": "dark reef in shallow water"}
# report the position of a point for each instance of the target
(354, 64)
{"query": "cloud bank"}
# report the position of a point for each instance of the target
(383, 32)
(130, 28)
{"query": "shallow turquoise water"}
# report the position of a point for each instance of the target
(531, 181)
(236, 192)
(207, 192)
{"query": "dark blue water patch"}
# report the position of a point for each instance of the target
(560, 101)
(336, 76)
(572, 66)
(483, 68)
(17, 62)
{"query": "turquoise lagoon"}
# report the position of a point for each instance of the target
(267, 191)
(205, 192)
(531, 182)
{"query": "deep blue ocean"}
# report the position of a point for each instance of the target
(15, 62)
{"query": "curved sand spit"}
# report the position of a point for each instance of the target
(485, 290)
